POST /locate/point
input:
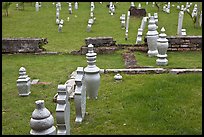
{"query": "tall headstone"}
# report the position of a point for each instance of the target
(63, 111)
(200, 20)
(132, 4)
(162, 46)
(80, 95)
(42, 122)
(92, 76)
(143, 23)
(23, 83)
(152, 36)
(127, 25)
(60, 27)
(180, 22)
(183, 32)
(90, 22)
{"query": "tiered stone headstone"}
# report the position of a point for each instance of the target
(122, 20)
(76, 5)
(112, 9)
(17, 6)
(57, 14)
(152, 36)
(37, 6)
(180, 22)
(63, 111)
(92, 76)
(70, 8)
(195, 11)
(162, 46)
(42, 122)
(139, 36)
(57, 21)
(23, 83)
(80, 95)
(127, 25)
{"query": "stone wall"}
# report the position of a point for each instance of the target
(100, 41)
(23, 45)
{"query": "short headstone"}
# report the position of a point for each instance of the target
(42, 122)
(23, 83)
(118, 77)
(34, 81)
(139, 36)
(183, 32)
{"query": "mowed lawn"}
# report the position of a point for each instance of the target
(144, 104)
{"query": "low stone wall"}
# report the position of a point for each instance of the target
(100, 41)
(23, 45)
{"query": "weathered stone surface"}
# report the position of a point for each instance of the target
(100, 41)
(129, 59)
(137, 12)
(23, 45)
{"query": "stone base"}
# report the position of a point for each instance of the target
(152, 53)
(162, 62)
(25, 94)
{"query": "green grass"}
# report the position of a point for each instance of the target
(140, 104)
(29, 23)
(179, 59)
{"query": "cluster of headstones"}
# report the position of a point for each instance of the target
(87, 81)
(92, 17)
(59, 21)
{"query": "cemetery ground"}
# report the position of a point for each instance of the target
(139, 104)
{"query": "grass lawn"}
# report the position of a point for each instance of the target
(140, 104)
(29, 23)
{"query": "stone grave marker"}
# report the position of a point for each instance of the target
(23, 83)
(80, 95)
(180, 22)
(63, 111)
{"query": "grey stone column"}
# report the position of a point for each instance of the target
(23, 83)
(92, 76)
(37, 6)
(80, 95)
(152, 36)
(63, 111)
(42, 121)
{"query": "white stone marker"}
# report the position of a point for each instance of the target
(42, 122)
(70, 8)
(183, 32)
(200, 20)
(152, 36)
(156, 18)
(180, 22)
(92, 76)
(132, 4)
(127, 25)
(139, 36)
(57, 21)
(23, 83)
(162, 46)
(143, 23)
(139, 6)
(37, 6)
(122, 19)
(90, 22)
(60, 27)
(76, 5)
(80, 95)
(63, 111)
